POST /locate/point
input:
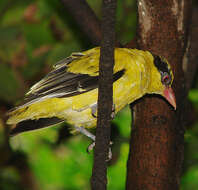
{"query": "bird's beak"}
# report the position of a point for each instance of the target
(170, 96)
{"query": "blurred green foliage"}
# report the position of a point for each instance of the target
(190, 170)
(33, 36)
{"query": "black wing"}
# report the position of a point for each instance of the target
(60, 83)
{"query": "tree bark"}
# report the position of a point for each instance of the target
(157, 138)
(105, 96)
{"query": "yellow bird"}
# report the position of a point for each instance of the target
(70, 91)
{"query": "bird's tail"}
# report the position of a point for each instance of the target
(35, 116)
(30, 125)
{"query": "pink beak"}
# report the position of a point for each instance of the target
(170, 96)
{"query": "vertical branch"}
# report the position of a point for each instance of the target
(105, 96)
(156, 146)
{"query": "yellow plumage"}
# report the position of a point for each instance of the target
(75, 98)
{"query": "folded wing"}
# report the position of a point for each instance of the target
(62, 82)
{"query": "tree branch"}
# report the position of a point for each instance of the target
(85, 18)
(105, 96)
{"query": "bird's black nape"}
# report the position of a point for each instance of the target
(30, 125)
(160, 64)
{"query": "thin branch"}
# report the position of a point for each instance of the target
(105, 96)
(56, 32)
(86, 19)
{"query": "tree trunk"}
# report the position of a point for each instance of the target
(157, 138)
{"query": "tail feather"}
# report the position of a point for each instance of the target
(29, 125)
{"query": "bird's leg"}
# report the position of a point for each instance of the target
(85, 132)
(93, 137)
(92, 145)
(88, 134)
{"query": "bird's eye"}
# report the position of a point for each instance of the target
(166, 79)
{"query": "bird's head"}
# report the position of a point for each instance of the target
(161, 79)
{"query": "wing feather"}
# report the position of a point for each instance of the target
(61, 82)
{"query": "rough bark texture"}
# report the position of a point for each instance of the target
(156, 152)
(105, 99)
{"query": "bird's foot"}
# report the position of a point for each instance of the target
(94, 111)
(113, 112)
(93, 137)
(92, 145)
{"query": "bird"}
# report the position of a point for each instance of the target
(69, 92)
